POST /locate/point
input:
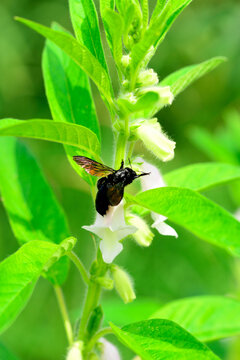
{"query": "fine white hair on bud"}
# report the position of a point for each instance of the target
(164, 92)
(143, 236)
(152, 136)
(75, 351)
(123, 284)
(147, 77)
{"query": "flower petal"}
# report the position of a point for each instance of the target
(164, 229)
(110, 247)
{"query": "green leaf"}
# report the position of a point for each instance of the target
(106, 4)
(67, 134)
(32, 207)
(194, 212)
(162, 339)
(85, 23)
(115, 310)
(181, 79)
(69, 96)
(5, 354)
(113, 25)
(18, 276)
(158, 9)
(206, 317)
(145, 13)
(156, 32)
(79, 53)
(212, 147)
(202, 176)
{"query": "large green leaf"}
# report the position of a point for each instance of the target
(162, 339)
(194, 212)
(202, 176)
(85, 23)
(156, 32)
(67, 134)
(32, 207)
(80, 54)
(206, 317)
(69, 96)
(181, 79)
(19, 273)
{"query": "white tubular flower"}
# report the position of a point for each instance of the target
(109, 351)
(111, 228)
(143, 236)
(75, 352)
(150, 132)
(155, 180)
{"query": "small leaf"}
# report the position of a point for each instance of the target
(85, 23)
(32, 207)
(156, 32)
(69, 96)
(206, 317)
(67, 134)
(162, 339)
(145, 13)
(79, 53)
(202, 176)
(113, 25)
(194, 212)
(18, 276)
(158, 9)
(181, 79)
(107, 4)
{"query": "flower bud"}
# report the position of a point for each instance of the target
(164, 92)
(75, 352)
(123, 284)
(151, 134)
(143, 236)
(105, 282)
(125, 60)
(147, 78)
(109, 351)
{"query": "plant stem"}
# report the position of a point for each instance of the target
(92, 298)
(101, 333)
(64, 313)
(75, 259)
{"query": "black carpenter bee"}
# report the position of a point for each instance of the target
(112, 182)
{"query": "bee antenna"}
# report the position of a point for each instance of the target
(143, 174)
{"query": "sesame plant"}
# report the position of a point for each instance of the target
(180, 329)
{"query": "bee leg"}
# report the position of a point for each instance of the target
(102, 201)
(122, 165)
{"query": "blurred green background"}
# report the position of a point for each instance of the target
(171, 268)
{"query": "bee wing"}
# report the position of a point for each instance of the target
(93, 167)
(115, 194)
